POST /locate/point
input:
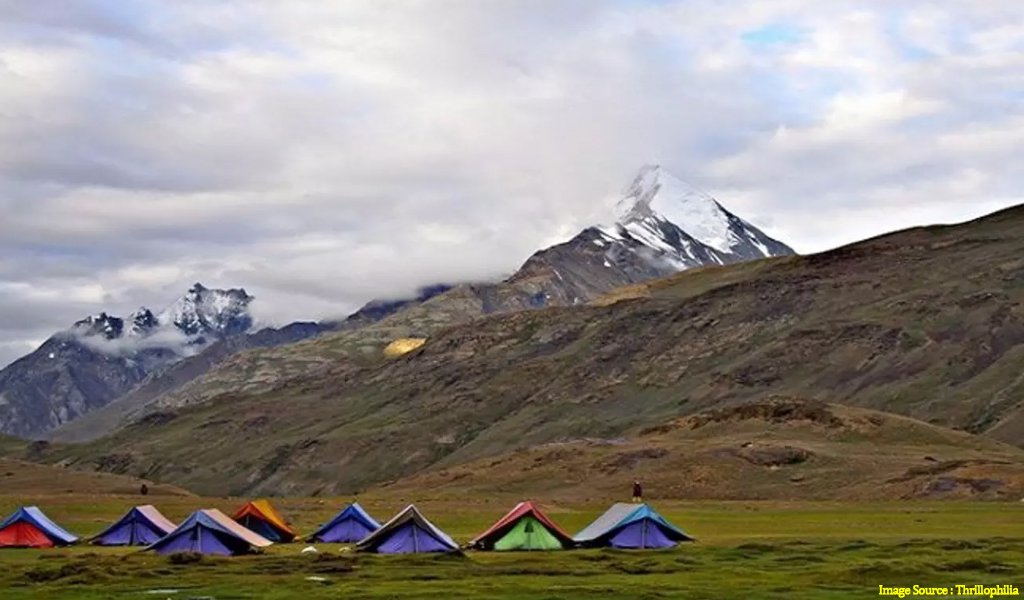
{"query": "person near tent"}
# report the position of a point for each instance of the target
(144, 490)
(638, 492)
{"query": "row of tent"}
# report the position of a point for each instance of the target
(258, 525)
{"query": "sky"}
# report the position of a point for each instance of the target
(320, 154)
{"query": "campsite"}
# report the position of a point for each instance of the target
(511, 299)
(776, 549)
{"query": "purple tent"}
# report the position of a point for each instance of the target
(140, 526)
(643, 533)
(631, 526)
(347, 527)
(210, 531)
(408, 532)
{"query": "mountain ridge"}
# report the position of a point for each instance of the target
(103, 357)
(926, 323)
(573, 272)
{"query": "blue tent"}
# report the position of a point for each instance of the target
(28, 527)
(631, 526)
(210, 531)
(347, 527)
(408, 532)
(140, 526)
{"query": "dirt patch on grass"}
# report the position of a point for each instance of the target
(776, 409)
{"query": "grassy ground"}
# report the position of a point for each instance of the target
(746, 550)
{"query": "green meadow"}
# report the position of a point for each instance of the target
(745, 550)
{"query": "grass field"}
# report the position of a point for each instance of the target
(745, 550)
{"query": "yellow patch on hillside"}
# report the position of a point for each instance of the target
(403, 346)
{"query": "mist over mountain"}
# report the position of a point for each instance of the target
(102, 357)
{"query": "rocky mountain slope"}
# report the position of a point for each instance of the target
(926, 323)
(104, 357)
(662, 226)
(106, 418)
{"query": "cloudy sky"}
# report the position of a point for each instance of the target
(323, 153)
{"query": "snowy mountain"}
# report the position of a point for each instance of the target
(102, 357)
(662, 226)
(203, 312)
(196, 319)
(685, 226)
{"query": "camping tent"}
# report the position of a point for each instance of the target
(409, 531)
(28, 527)
(631, 526)
(347, 527)
(140, 526)
(261, 517)
(210, 531)
(524, 528)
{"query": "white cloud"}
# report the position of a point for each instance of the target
(162, 339)
(320, 154)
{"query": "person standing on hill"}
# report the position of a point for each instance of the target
(638, 492)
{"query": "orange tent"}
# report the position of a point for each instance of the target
(261, 516)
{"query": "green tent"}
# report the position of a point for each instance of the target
(528, 534)
(525, 527)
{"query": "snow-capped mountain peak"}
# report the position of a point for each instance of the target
(670, 225)
(142, 322)
(103, 325)
(656, 194)
(194, 320)
(209, 311)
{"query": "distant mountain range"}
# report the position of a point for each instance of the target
(103, 357)
(672, 379)
(662, 226)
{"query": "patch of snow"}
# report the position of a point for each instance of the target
(611, 232)
(760, 246)
(650, 234)
(607, 264)
(599, 243)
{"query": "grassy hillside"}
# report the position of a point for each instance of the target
(32, 480)
(780, 449)
(926, 323)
